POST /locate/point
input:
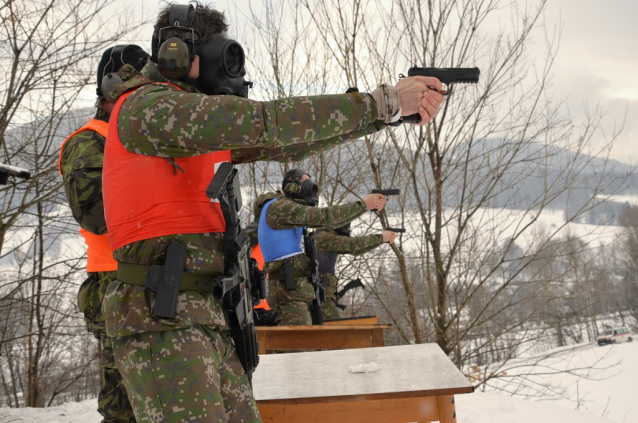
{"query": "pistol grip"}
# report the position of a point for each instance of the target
(415, 118)
(170, 280)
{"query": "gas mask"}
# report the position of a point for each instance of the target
(295, 189)
(221, 67)
(309, 192)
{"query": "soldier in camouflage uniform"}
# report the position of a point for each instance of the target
(81, 159)
(331, 243)
(186, 368)
(281, 214)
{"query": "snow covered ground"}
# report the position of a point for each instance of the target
(612, 397)
(609, 395)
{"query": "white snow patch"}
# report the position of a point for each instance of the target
(370, 367)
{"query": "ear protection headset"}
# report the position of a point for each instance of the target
(175, 55)
(111, 78)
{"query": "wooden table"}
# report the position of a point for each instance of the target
(326, 337)
(359, 320)
(415, 383)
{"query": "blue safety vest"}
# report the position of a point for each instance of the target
(278, 244)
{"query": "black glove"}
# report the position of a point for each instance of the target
(265, 317)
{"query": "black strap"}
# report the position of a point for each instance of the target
(178, 15)
(286, 276)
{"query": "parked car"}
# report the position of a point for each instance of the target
(615, 335)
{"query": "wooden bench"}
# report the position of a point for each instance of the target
(326, 337)
(415, 383)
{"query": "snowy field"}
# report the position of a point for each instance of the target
(610, 397)
(608, 394)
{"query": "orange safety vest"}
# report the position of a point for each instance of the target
(98, 252)
(148, 197)
(257, 255)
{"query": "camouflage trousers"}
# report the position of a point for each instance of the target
(191, 374)
(113, 402)
(294, 305)
(329, 307)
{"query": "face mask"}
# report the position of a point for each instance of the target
(221, 67)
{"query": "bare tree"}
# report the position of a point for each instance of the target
(627, 261)
(478, 271)
(48, 49)
(495, 157)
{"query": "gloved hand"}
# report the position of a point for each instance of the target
(263, 317)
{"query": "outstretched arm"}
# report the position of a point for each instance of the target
(356, 245)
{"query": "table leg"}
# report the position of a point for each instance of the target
(377, 338)
(447, 408)
(261, 338)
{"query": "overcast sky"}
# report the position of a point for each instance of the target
(597, 62)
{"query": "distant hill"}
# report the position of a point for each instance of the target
(522, 183)
(587, 177)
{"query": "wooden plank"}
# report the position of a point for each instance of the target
(447, 408)
(377, 338)
(369, 411)
(363, 320)
(262, 338)
(323, 376)
(319, 337)
(319, 328)
(290, 340)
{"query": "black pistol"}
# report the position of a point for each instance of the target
(385, 192)
(448, 76)
(166, 280)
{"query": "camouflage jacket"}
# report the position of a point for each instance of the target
(82, 160)
(328, 240)
(285, 213)
(161, 120)
(330, 244)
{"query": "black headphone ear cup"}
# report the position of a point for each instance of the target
(174, 58)
(292, 188)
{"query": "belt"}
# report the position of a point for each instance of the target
(295, 274)
(135, 274)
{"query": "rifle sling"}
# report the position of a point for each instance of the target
(135, 274)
